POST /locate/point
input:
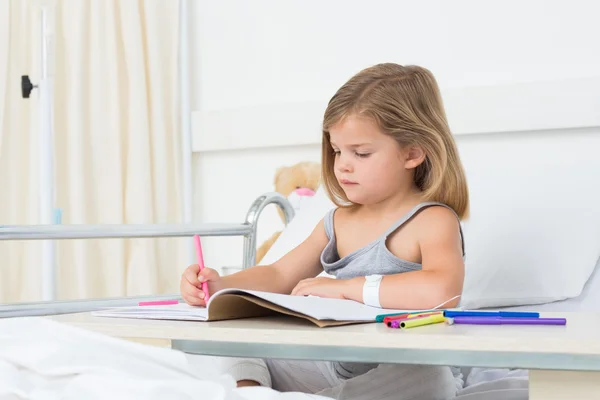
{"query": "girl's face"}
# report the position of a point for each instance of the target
(370, 166)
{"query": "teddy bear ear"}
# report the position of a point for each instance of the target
(278, 173)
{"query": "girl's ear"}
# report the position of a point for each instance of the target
(414, 157)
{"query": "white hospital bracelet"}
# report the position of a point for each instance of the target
(371, 290)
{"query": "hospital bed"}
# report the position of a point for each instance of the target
(532, 242)
(513, 363)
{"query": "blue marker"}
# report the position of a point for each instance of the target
(504, 314)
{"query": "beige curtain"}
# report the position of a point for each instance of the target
(19, 50)
(117, 144)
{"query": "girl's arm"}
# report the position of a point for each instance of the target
(442, 274)
(280, 277)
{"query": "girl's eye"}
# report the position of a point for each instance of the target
(363, 155)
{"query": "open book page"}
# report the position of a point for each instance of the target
(314, 307)
(323, 308)
(181, 311)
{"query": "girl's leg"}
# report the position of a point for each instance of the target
(244, 370)
(386, 381)
(301, 376)
(398, 382)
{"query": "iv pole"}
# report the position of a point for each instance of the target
(48, 215)
(186, 135)
(45, 150)
(46, 156)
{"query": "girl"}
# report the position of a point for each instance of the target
(390, 164)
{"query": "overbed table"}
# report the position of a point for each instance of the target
(564, 361)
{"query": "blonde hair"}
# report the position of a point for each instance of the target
(405, 102)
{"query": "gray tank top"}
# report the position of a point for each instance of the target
(374, 258)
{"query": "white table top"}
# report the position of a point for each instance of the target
(574, 346)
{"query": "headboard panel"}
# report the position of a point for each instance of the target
(522, 107)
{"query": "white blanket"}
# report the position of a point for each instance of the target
(43, 360)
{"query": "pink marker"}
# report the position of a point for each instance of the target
(158, 303)
(201, 264)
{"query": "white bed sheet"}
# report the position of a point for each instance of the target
(43, 360)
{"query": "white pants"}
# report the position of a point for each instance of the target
(386, 381)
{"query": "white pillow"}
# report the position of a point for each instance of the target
(534, 232)
(587, 301)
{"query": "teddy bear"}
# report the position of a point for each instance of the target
(297, 183)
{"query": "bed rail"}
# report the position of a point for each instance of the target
(247, 229)
(43, 308)
(106, 231)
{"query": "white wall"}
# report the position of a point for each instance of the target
(255, 62)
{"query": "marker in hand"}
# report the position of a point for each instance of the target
(201, 264)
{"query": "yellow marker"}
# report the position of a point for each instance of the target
(431, 319)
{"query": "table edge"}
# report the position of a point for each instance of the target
(466, 358)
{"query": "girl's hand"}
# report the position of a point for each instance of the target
(191, 284)
(322, 287)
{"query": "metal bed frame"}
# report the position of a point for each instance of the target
(247, 229)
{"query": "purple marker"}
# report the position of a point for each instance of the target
(394, 324)
(507, 321)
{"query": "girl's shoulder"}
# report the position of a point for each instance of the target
(427, 222)
(437, 214)
(436, 225)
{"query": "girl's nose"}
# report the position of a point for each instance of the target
(343, 165)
